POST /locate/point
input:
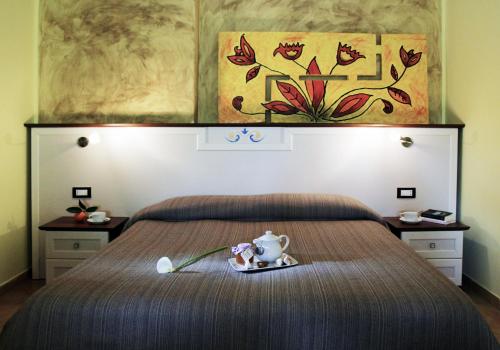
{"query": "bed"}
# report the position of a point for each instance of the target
(357, 285)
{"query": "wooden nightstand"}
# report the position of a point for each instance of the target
(67, 243)
(440, 244)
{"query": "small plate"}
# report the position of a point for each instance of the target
(411, 221)
(271, 266)
(91, 221)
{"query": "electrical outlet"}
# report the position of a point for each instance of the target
(406, 192)
(82, 192)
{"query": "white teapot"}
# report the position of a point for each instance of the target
(269, 246)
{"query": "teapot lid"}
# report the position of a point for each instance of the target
(267, 236)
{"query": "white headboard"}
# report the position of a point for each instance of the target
(129, 168)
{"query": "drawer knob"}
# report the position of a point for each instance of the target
(76, 245)
(432, 245)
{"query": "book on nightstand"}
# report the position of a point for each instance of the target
(438, 216)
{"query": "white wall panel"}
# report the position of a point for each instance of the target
(130, 168)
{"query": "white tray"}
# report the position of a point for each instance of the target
(270, 266)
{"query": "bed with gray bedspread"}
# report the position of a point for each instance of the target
(357, 286)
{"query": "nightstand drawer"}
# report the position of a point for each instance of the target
(435, 244)
(73, 244)
(451, 268)
(56, 267)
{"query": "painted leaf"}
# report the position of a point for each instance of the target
(238, 103)
(280, 107)
(394, 73)
(350, 104)
(315, 88)
(293, 95)
(388, 107)
(399, 95)
(252, 73)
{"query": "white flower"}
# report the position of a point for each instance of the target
(164, 265)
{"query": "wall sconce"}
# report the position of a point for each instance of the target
(82, 142)
(92, 139)
(406, 141)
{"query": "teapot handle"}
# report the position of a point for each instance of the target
(287, 242)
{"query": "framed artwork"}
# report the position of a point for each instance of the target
(322, 77)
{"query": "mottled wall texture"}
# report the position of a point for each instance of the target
(137, 60)
(117, 61)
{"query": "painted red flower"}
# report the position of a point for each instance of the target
(289, 51)
(238, 103)
(346, 56)
(409, 58)
(244, 54)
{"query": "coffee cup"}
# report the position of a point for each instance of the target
(98, 216)
(410, 215)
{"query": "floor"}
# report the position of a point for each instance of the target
(13, 299)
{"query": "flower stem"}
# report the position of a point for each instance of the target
(248, 113)
(191, 261)
(301, 66)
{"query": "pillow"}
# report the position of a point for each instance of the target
(266, 207)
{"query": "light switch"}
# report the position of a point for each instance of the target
(82, 192)
(406, 192)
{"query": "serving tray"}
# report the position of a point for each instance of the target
(270, 266)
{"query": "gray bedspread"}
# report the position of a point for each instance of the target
(357, 286)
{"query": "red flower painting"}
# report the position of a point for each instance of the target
(308, 98)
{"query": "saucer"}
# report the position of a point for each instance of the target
(92, 221)
(419, 219)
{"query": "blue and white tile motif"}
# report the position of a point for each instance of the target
(254, 136)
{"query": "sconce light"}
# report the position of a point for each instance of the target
(92, 140)
(406, 141)
(82, 141)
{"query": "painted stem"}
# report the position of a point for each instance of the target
(203, 255)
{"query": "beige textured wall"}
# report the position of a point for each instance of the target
(117, 61)
(134, 60)
(472, 96)
(17, 105)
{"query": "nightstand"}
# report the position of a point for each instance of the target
(67, 243)
(440, 244)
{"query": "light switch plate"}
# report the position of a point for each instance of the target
(406, 192)
(82, 192)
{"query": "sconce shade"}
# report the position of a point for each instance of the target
(406, 141)
(82, 141)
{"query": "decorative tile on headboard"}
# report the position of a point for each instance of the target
(245, 139)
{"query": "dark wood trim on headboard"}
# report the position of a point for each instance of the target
(217, 125)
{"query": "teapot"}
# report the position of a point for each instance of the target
(269, 246)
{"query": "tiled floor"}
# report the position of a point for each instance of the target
(12, 300)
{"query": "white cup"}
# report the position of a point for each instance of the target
(98, 216)
(410, 215)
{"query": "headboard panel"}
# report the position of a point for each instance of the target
(130, 168)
